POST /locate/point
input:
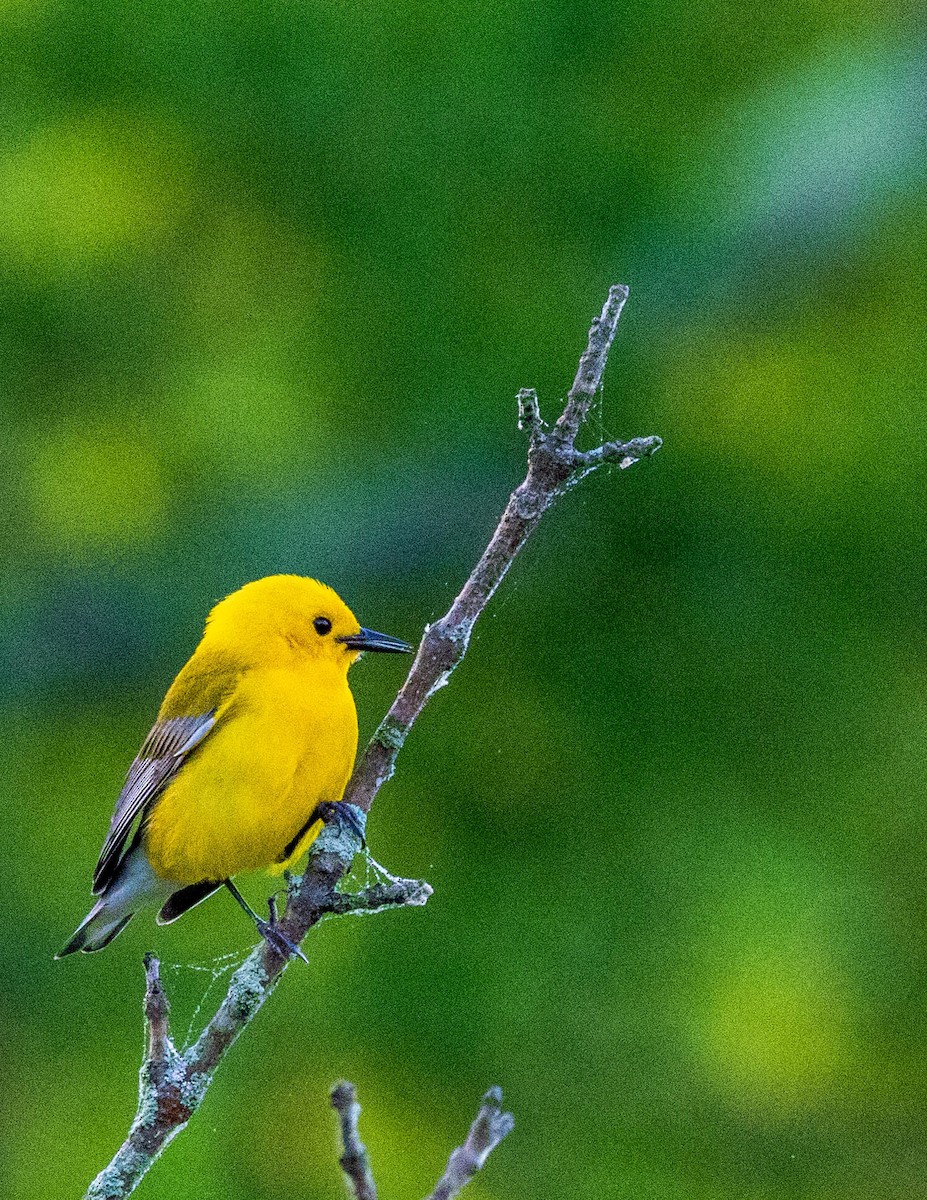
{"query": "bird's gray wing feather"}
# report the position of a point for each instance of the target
(158, 761)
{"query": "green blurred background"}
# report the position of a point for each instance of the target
(271, 276)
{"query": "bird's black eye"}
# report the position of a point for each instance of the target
(322, 626)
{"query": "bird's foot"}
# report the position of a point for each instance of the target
(271, 933)
(282, 944)
(344, 814)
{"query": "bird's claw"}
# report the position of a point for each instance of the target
(279, 941)
(344, 814)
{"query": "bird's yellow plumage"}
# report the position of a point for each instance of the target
(231, 809)
(257, 731)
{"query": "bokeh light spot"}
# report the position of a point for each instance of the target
(774, 1031)
(89, 188)
(769, 1009)
(97, 489)
(240, 415)
(780, 409)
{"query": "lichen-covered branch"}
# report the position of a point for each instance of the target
(173, 1084)
(490, 1126)
(486, 1132)
(167, 1097)
(553, 464)
(400, 893)
(353, 1161)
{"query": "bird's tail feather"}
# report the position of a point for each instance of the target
(97, 930)
(184, 899)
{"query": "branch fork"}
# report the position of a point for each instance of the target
(173, 1084)
(489, 1127)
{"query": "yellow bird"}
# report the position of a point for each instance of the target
(249, 756)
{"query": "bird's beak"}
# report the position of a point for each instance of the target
(367, 639)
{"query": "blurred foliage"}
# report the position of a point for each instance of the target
(271, 274)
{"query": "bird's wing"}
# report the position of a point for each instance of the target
(158, 761)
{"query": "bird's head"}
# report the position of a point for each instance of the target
(273, 620)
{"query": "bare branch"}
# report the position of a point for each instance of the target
(354, 1161)
(166, 1099)
(529, 413)
(625, 454)
(157, 1012)
(591, 366)
(486, 1132)
(553, 462)
(174, 1084)
(401, 893)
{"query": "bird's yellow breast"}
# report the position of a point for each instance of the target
(285, 742)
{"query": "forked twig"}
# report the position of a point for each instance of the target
(489, 1127)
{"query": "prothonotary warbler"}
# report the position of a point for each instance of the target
(249, 756)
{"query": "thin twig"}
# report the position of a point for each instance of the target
(354, 1161)
(529, 412)
(625, 454)
(166, 1098)
(490, 1126)
(486, 1132)
(554, 464)
(157, 1012)
(591, 367)
(401, 893)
